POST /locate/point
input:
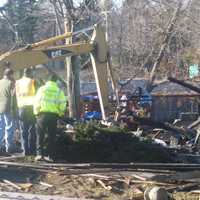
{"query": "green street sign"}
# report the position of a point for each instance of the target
(193, 70)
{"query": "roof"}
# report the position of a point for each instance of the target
(129, 85)
(90, 88)
(165, 88)
(133, 84)
(172, 89)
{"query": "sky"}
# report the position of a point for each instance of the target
(2, 2)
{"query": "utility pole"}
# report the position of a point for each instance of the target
(105, 11)
(16, 33)
(76, 85)
(68, 28)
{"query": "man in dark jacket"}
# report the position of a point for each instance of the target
(8, 110)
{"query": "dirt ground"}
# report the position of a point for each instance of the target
(76, 186)
(105, 184)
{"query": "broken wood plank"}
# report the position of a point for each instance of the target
(195, 191)
(104, 186)
(26, 186)
(152, 183)
(127, 166)
(71, 168)
(96, 176)
(25, 165)
(194, 124)
(46, 184)
(12, 184)
(139, 177)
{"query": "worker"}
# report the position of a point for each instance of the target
(25, 91)
(8, 111)
(50, 104)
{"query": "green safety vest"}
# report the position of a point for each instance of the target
(50, 98)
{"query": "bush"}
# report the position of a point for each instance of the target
(94, 143)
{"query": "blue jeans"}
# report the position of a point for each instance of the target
(27, 126)
(6, 132)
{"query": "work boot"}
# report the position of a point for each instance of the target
(39, 158)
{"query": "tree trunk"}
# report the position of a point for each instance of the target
(73, 81)
(164, 44)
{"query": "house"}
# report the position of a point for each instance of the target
(170, 100)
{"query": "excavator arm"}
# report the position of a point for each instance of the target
(43, 52)
(28, 56)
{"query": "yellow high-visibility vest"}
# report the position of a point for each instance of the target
(50, 98)
(25, 91)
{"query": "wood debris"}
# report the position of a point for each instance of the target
(46, 184)
(12, 184)
(104, 185)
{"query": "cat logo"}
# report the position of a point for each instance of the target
(53, 54)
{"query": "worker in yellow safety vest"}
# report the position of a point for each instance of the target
(25, 91)
(50, 104)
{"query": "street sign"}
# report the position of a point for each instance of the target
(193, 70)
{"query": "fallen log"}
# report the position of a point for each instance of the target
(184, 84)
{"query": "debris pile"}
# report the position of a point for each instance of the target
(100, 181)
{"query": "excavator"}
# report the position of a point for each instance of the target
(45, 51)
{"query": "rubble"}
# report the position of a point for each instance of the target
(85, 181)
